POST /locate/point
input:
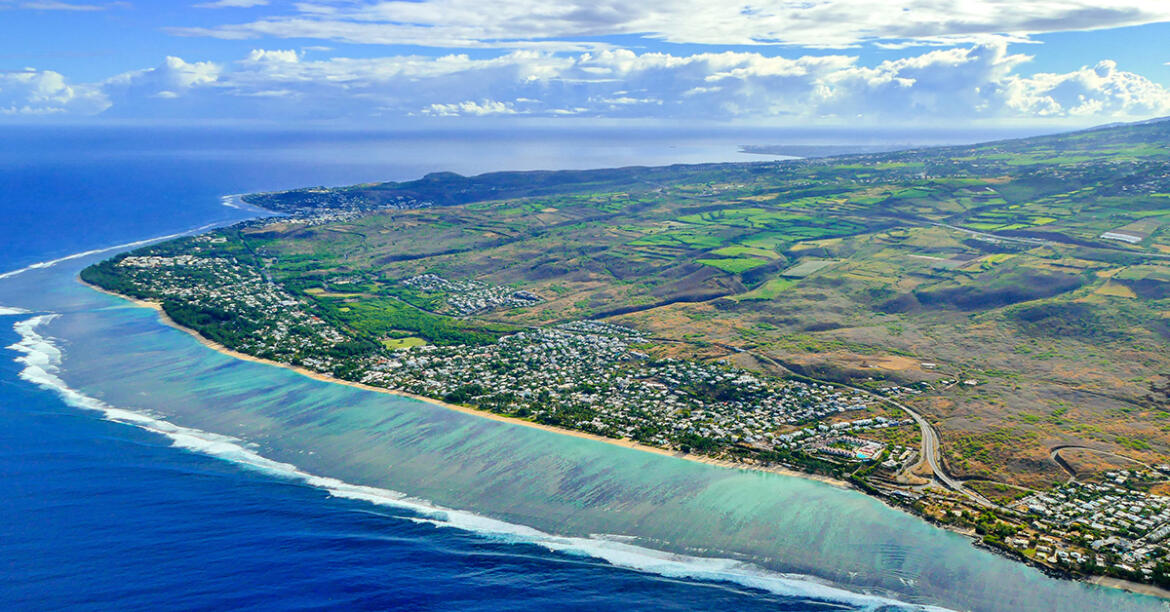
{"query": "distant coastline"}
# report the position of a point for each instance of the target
(797, 151)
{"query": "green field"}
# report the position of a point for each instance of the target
(806, 268)
(734, 265)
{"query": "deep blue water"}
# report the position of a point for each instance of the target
(100, 515)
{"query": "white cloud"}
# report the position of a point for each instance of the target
(232, 4)
(809, 23)
(470, 108)
(131, 92)
(279, 55)
(51, 5)
(44, 92)
(1100, 90)
(980, 81)
(951, 82)
(173, 74)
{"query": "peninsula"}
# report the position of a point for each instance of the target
(979, 334)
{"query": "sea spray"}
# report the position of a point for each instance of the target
(41, 360)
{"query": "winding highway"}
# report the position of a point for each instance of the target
(931, 444)
(931, 447)
(1054, 453)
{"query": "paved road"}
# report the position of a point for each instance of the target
(1054, 453)
(1043, 241)
(931, 444)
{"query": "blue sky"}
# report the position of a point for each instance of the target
(774, 62)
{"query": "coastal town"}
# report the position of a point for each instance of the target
(585, 375)
(1115, 526)
(1116, 522)
(468, 297)
(268, 321)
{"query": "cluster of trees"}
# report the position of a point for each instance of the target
(721, 391)
(227, 328)
(465, 393)
(1064, 320)
(373, 319)
(107, 276)
(567, 415)
(1001, 289)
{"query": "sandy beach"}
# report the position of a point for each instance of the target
(1133, 587)
(625, 443)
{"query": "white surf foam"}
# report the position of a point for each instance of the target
(41, 359)
(236, 201)
(129, 245)
(232, 201)
(8, 311)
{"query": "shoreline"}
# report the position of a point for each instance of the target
(1098, 580)
(1129, 585)
(620, 442)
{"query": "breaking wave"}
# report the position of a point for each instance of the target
(41, 360)
(129, 245)
(231, 201)
(237, 202)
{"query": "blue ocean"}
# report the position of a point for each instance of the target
(140, 470)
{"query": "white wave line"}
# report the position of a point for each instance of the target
(42, 359)
(52, 262)
(235, 201)
(10, 310)
(230, 201)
